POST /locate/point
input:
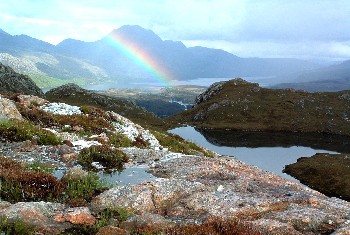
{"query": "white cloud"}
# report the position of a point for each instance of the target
(269, 28)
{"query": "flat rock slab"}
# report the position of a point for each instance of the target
(194, 188)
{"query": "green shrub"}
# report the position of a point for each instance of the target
(119, 140)
(21, 131)
(39, 167)
(110, 158)
(80, 190)
(17, 227)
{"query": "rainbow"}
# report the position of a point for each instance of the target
(140, 57)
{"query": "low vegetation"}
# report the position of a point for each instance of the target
(93, 124)
(177, 144)
(23, 130)
(79, 189)
(119, 140)
(75, 95)
(20, 182)
(17, 227)
(240, 105)
(109, 158)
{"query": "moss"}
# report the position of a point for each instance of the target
(110, 158)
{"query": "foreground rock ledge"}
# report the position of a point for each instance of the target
(193, 188)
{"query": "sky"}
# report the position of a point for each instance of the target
(316, 30)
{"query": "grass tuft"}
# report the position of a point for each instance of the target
(21, 131)
(177, 144)
(110, 158)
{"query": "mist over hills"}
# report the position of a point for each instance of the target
(331, 78)
(102, 61)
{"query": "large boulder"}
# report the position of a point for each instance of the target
(8, 110)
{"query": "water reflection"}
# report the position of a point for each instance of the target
(268, 151)
(276, 139)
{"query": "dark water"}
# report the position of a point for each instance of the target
(268, 151)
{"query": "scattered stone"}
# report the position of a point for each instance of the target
(132, 131)
(27, 146)
(65, 149)
(29, 100)
(61, 108)
(80, 144)
(69, 157)
(79, 215)
(101, 138)
(68, 143)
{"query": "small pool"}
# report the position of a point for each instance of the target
(268, 151)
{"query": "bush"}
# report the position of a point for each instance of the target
(119, 140)
(108, 157)
(78, 191)
(20, 184)
(17, 227)
(21, 131)
(140, 142)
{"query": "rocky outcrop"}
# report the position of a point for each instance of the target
(240, 105)
(184, 193)
(12, 82)
(8, 110)
(195, 188)
(327, 173)
(212, 90)
(48, 217)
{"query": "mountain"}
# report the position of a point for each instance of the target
(331, 78)
(240, 105)
(132, 53)
(12, 82)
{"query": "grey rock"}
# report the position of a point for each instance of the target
(8, 110)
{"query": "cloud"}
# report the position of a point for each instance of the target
(264, 28)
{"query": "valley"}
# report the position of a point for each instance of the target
(135, 133)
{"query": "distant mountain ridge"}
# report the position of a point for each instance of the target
(95, 62)
(331, 78)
